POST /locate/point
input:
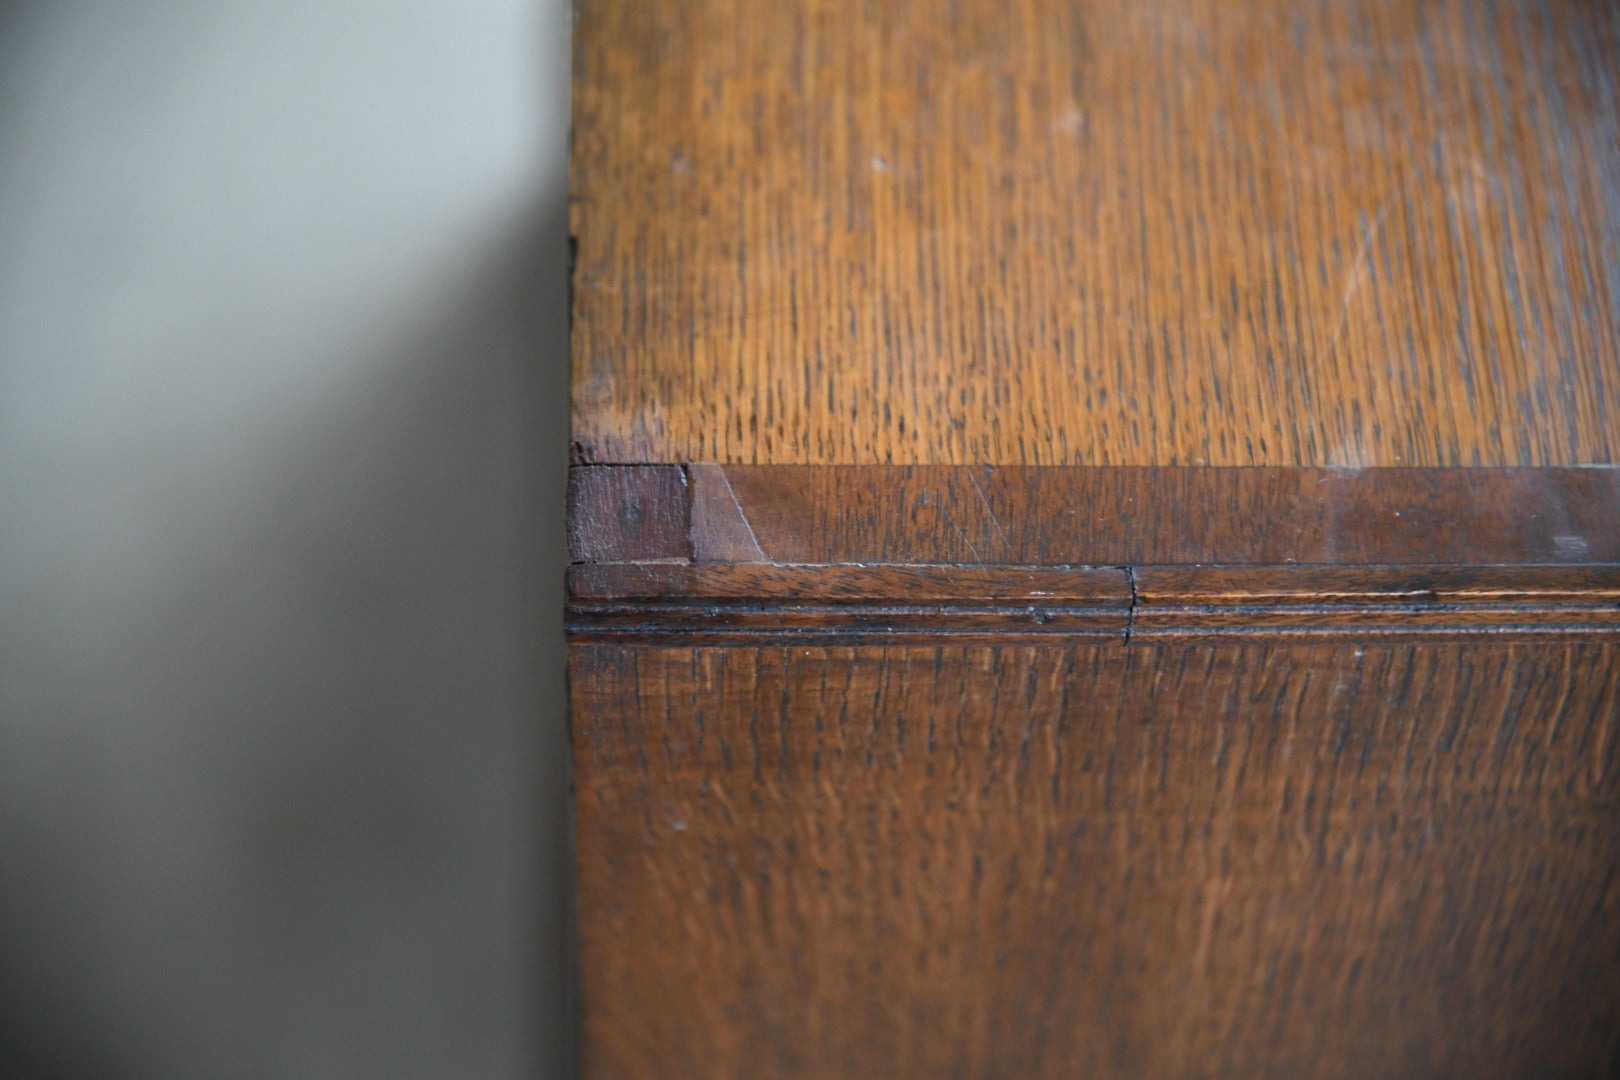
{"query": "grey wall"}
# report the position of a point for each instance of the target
(282, 431)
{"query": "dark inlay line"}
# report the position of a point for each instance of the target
(750, 603)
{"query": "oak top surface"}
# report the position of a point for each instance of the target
(1041, 232)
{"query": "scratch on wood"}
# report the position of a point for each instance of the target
(946, 510)
(720, 528)
(974, 480)
(1358, 274)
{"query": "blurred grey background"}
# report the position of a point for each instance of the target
(282, 436)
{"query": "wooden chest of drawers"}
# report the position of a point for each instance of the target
(1096, 538)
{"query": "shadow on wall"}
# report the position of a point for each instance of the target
(284, 792)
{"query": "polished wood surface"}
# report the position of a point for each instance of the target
(627, 515)
(754, 603)
(1106, 232)
(1099, 517)
(1096, 538)
(1333, 861)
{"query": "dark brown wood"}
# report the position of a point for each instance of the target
(1131, 516)
(627, 514)
(720, 527)
(1097, 538)
(1379, 603)
(1186, 860)
(752, 601)
(757, 602)
(1082, 516)
(1390, 585)
(1356, 603)
(1530, 552)
(762, 583)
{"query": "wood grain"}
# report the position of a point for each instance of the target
(1180, 232)
(1115, 516)
(759, 603)
(838, 585)
(1093, 861)
(728, 603)
(628, 515)
(1096, 531)
(1377, 602)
